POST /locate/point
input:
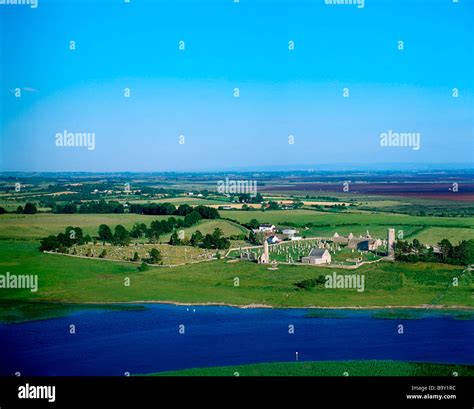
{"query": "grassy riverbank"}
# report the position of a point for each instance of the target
(330, 368)
(73, 280)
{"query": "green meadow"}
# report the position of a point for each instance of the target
(427, 229)
(76, 280)
(330, 368)
(37, 226)
(303, 216)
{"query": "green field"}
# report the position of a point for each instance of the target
(37, 226)
(326, 224)
(330, 368)
(302, 217)
(69, 279)
(433, 235)
(190, 200)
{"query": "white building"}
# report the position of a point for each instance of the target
(317, 256)
(267, 228)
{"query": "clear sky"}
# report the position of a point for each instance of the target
(234, 45)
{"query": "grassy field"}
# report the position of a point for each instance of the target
(36, 226)
(70, 279)
(430, 229)
(330, 368)
(302, 217)
(433, 235)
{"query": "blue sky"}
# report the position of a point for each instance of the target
(229, 45)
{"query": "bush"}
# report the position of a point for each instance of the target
(311, 282)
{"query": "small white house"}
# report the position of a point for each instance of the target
(267, 228)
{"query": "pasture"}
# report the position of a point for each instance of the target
(78, 280)
(433, 235)
(325, 224)
(37, 226)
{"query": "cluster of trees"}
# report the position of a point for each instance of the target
(100, 207)
(120, 236)
(248, 198)
(154, 209)
(169, 209)
(30, 208)
(62, 241)
(159, 227)
(462, 254)
(216, 240)
(420, 210)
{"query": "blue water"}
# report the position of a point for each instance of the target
(115, 342)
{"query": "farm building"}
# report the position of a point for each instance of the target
(267, 228)
(317, 256)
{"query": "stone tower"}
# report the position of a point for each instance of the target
(265, 257)
(390, 242)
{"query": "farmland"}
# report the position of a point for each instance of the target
(311, 223)
(89, 279)
(36, 226)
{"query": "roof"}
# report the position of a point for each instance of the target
(318, 253)
(266, 225)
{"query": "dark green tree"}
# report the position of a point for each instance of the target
(30, 208)
(121, 236)
(105, 234)
(155, 256)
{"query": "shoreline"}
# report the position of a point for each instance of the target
(426, 307)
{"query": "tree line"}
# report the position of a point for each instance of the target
(461, 254)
